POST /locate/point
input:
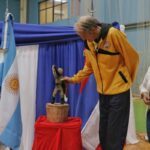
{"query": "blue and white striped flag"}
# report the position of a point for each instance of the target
(10, 117)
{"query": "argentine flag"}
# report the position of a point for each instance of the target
(10, 117)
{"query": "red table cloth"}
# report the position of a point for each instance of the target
(57, 136)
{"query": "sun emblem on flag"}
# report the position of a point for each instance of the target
(12, 83)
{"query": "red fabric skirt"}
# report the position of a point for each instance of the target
(57, 136)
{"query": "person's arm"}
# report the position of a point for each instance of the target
(146, 97)
(82, 74)
(129, 54)
(144, 85)
(145, 88)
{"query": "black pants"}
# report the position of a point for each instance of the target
(114, 117)
(148, 124)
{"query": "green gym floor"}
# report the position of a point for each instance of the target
(140, 115)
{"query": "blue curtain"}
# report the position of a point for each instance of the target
(69, 56)
(27, 34)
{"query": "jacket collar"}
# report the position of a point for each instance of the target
(104, 31)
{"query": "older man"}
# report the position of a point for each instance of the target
(113, 61)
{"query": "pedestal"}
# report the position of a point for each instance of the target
(57, 136)
(57, 112)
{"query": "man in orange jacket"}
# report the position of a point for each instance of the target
(113, 61)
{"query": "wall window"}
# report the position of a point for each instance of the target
(52, 10)
(75, 8)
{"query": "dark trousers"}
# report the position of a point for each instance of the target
(114, 117)
(148, 124)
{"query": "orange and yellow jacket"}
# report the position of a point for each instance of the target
(113, 61)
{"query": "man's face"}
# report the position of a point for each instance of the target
(87, 35)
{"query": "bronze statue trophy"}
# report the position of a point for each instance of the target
(60, 86)
(58, 112)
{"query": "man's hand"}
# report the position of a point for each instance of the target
(66, 79)
(146, 98)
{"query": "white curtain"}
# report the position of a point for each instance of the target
(27, 68)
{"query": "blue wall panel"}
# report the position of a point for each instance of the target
(14, 8)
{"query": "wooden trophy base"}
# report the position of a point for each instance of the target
(57, 112)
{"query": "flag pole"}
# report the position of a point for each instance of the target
(3, 48)
(91, 10)
(6, 11)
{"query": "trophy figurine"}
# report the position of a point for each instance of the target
(60, 85)
(58, 112)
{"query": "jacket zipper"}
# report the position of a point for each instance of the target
(99, 70)
(100, 74)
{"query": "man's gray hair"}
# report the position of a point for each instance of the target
(86, 23)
